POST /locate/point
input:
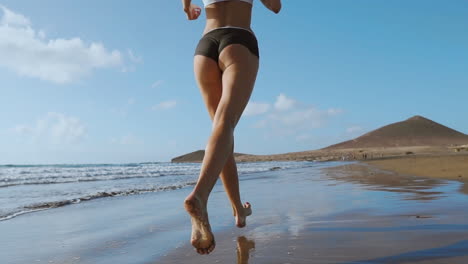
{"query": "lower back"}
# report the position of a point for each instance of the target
(228, 13)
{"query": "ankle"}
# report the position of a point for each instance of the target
(239, 210)
(197, 197)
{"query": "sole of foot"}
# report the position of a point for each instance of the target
(202, 237)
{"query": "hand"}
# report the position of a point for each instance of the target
(193, 11)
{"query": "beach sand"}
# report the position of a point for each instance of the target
(328, 213)
(452, 167)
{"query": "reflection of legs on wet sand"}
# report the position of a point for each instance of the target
(243, 249)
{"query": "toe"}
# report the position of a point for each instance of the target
(211, 248)
(248, 209)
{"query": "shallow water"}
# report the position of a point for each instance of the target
(28, 188)
(349, 214)
(317, 214)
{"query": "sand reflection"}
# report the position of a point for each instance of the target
(415, 188)
(244, 246)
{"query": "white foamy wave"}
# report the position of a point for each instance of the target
(102, 194)
(11, 175)
(29, 188)
(19, 175)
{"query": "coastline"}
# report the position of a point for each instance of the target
(350, 154)
(331, 212)
(308, 228)
(449, 167)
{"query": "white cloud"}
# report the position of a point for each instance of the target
(22, 130)
(156, 84)
(12, 19)
(334, 111)
(41, 34)
(54, 128)
(290, 117)
(284, 103)
(27, 52)
(254, 108)
(133, 58)
(354, 129)
(308, 117)
(165, 105)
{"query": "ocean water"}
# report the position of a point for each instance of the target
(29, 188)
(304, 212)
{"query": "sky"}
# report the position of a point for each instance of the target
(111, 81)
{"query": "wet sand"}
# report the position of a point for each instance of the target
(348, 213)
(451, 167)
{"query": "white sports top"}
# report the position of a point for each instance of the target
(209, 2)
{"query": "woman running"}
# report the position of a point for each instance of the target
(225, 65)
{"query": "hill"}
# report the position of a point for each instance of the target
(415, 131)
(196, 156)
(416, 136)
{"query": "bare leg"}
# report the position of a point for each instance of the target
(239, 72)
(230, 180)
(209, 79)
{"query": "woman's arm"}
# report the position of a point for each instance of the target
(192, 10)
(273, 5)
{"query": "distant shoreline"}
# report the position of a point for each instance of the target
(355, 154)
(447, 167)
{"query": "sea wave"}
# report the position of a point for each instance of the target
(102, 194)
(29, 188)
(14, 175)
(60, 180)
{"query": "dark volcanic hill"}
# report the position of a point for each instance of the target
(416, 131)
(196, 156)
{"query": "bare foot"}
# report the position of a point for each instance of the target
(202, 237)
(242, 215)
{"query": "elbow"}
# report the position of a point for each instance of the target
(277, 9)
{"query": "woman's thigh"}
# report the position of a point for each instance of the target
(240, 69)
(209, 80)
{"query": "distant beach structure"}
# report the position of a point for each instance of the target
(460, 148)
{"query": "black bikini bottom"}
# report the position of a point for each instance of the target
(213, 42)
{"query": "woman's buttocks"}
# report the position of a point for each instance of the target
(228, 13)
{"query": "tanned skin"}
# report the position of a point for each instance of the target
(226, 87)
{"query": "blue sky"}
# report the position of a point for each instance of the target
(112, 81)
